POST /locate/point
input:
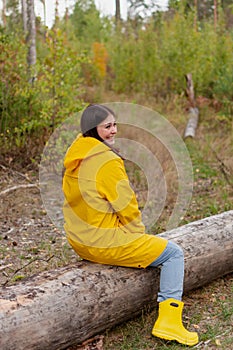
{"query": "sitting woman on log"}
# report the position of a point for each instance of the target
(103, 223)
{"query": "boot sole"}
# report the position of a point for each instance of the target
(173, 337)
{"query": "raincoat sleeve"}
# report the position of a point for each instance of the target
(116, 189)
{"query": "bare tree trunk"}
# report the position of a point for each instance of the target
(118, 12)
(215, 14)
(24, 14)
(4, 13)
(193, 110)
(56, 13)
(44, 8)
(66, 19)
(63, 307)
(31, 39)
(195, 14)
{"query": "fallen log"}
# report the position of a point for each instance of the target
(63, 307)
(191, 126)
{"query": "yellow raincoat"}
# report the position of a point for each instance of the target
(102, 219)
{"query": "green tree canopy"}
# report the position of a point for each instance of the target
(87, 22)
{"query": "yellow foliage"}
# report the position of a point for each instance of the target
(100, 57)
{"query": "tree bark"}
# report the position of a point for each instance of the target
(44, 8)
(63, 307)
(4, 13)
(215, 14)
(195, 14)
(31, 39)
(24, 15)
(193, 110)
(118, 12)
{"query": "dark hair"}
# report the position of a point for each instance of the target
(92, 116)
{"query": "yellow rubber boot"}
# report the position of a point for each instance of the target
(169, 323)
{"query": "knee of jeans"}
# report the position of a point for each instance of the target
(178, 250)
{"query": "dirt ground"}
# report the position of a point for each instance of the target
(29, 240)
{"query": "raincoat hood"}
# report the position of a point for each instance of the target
(83, 148)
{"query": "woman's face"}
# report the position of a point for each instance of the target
(108, 129)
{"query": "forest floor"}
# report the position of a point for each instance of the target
(30, 242)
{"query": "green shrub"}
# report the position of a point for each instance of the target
(29, 109)
(155, 58)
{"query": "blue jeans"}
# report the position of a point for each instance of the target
(172, 272)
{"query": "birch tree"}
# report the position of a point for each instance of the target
(215, 13)
(24, 14)
(31, 40)
(44, 9)
(4, 12)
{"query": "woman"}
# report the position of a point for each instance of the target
(103, 223)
